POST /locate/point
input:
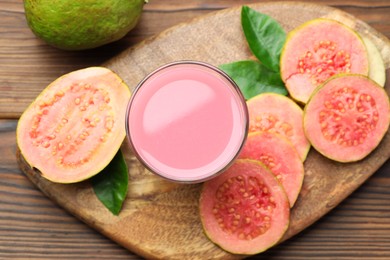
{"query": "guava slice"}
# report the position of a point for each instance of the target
(317, 50)
(347, 117)
(280, 157)
(377, 70)
(74, 128)
(244, 210)
(276, 113)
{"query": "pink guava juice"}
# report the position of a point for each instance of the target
(187, 121)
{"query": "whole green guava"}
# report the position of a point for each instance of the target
(82, 24)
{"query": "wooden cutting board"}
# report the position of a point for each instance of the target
(160, 219)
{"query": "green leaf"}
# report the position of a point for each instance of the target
(111, 184)
(254, 78)
(264, 35)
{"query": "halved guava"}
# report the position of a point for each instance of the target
(276, 113)
(347, 117)
(76, 125)
(317, 50)
(244, 210)
(281, 158)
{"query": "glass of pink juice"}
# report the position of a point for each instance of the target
(187, 121)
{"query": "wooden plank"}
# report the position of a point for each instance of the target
(160, 218)
(28, 65)
(34, 227)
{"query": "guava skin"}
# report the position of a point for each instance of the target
(82, 24)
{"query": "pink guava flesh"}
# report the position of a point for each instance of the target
(281, 158)
(317, 50)
(245, 209)
(270, 112)
(347, 117)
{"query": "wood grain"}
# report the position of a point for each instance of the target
(160, 219)
(33, 227)
(22, 53)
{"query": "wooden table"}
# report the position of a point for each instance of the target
(32, 226)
